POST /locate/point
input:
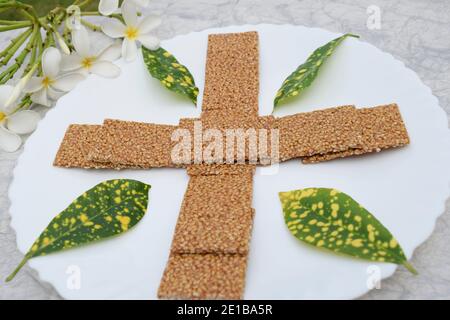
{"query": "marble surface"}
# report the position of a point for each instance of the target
(414, 31)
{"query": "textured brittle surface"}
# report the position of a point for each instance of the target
(232, 72)
(322, 131)
(137, 144)
(212, 236)
(203, 276)
(215, 169)
(78, 141)
(219, 192)
(216, 214)
(221, 233)
(380, 128)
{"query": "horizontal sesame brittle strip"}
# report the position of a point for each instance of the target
(322, 131)
(136, 144)
(78, 142)
(382, 127)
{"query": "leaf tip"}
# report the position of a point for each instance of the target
(410, 268)
(13, 274)
(352, 35)
(275, 105)
(282, 195)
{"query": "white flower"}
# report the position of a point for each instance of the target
(52, 85)
(85, 61)
(14, 124)
(133, 30)
(107, 7)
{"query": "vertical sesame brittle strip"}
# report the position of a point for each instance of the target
(232, 73)
(216, 215)
(211, 240)
(204, 169)
(204, 276)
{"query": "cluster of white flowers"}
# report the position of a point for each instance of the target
(61, 72)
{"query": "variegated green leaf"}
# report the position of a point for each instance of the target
(163, 66)
(305, 74)
(108, 209)
(330, 219)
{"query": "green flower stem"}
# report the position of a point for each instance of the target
(67, 36)
(48, 42)
(68, 40)
(59, 38)
(7, 4)
(27, 10)
(12, 51)
(96, 13)
(40, 49)
(9, 73)
(13, 41)
(34, 49)
(91, 13)
(10, 22)
(2, 9)
(59, 16)
(27, 15)
(16, 26)
(39, 41)
(24, 103)
(91, 26)
(83, 4)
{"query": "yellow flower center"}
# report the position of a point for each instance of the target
(46, 82)
(131, 33)
(87, 62)
(2, 116)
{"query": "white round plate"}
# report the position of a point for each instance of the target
(405, 188)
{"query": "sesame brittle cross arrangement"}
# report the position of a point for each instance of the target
(210, 246)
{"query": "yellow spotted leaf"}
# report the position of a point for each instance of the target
(305, 74)
(108, 209)
(176, 77)
(332, 220)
